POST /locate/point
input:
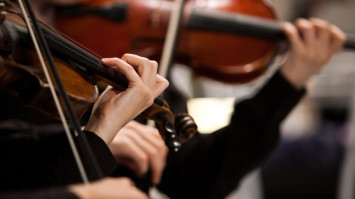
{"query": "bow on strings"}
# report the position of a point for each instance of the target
(42, 48)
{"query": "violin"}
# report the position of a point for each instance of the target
(80, 72)
(231, 41)
(140, 27)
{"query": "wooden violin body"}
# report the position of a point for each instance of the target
(141, 28)
(21, 72)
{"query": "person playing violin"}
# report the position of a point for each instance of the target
(211, 166)
(138, 157)
(149, 152)
(36, 139)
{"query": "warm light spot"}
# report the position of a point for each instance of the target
(210, 114)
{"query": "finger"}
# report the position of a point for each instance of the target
(158, 165)
(151, 142)
(307, 31)
(292, 35)
(148, 133)
(138, 156)
(123, 181)
(338, 38)
(144, 144)
(323, 34)
(161, 85)
(156, 155)
(123, 67)
(146, 68)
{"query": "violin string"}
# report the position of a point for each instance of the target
(94, 58)
(89, 61)
(83, 142)
(80, 55)
(16, 8)
(56, 99)
(97, 67)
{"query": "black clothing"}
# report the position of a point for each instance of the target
(208, 166)
(211, 165)
(35, 153)
(57, 192)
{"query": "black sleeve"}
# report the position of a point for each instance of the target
(30, 159)
(52, 193)
(101, 153)
(35, 155)
(34, 150)
(211, 165)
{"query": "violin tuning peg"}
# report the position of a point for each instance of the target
(171, 140)
(185, 126)
(173, 143)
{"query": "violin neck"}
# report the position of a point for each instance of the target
(202, 19)
(84, 60)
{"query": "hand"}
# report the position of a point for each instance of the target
(140, 147)
(115, 109)
(313, 42)
(120, 188)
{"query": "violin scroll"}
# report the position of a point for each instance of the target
(185, 126)
(166, 123)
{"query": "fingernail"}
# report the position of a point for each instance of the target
(105, 59)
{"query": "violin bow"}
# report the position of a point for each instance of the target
(42, 48)
(171, 37)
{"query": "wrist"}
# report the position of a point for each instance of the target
(294, 77)
(106, 129)
(98, 129)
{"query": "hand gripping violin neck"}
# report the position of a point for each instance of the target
(80, 72)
